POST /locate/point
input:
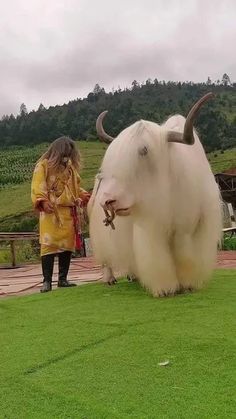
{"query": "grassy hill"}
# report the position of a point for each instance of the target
(153, 100)
(16, 166)
(221, 161)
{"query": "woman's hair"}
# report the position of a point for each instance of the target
(63, 147)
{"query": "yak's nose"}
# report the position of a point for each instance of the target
(110, 202)
(107, 200)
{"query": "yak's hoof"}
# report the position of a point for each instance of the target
(168, 293)
(131, 278)
(112, 281)
(184, 290)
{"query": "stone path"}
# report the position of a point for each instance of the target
(27, 279)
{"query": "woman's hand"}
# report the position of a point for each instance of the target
(84, 198)
(47, 207)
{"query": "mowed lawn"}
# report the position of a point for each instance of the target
(94, 352)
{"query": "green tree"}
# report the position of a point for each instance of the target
(226, 80)
(23, 109)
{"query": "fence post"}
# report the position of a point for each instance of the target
(13, 253)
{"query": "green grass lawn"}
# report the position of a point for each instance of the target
(93, 352)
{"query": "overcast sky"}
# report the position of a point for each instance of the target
(52, 51)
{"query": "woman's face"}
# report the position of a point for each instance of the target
(67, 153)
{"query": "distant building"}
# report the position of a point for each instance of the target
(227, 184)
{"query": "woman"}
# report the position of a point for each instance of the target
(56, 194)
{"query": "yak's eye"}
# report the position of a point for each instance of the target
(142, 151)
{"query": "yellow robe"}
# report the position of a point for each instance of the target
(62, 189)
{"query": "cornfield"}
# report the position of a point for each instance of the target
(16, 164)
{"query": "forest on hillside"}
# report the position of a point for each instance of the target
(153, 100)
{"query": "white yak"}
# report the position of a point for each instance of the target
(157, 182)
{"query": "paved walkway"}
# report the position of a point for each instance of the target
(226, 260)
(27, 279)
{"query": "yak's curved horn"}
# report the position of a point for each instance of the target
(187, 137)
(103, 136)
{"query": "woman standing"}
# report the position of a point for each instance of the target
(56, 194)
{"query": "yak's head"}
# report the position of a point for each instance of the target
(137, 158)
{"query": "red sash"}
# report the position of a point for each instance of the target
(77, 227)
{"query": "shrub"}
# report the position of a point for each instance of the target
(229, 243)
